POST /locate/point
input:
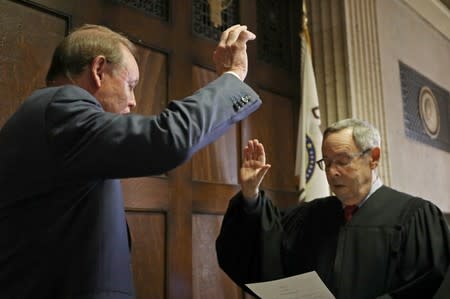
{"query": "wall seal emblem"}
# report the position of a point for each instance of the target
(429, 112)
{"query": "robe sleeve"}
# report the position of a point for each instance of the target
(242, 247)
(444, 289)
(424, 255)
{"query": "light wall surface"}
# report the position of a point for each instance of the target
(408, 36)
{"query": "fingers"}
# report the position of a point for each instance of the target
(237, 33)
(231, 52)
(254, 150)
(246, 35)
(226, 34)
(249, 150)
(260, 153)
(223, 52)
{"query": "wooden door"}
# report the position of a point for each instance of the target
(175, 217)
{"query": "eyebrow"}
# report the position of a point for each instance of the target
(338, 155)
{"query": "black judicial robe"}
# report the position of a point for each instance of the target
(444, 290)
(395, 246)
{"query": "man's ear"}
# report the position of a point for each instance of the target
(375, 154)
(98, 68)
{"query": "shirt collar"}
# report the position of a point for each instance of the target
(375, 186)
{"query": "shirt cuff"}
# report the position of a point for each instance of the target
(233, 73)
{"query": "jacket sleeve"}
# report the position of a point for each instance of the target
(90, 142)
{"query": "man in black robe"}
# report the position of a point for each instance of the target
(393, 245)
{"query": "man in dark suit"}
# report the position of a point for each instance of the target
(62, 222)
(367, 241)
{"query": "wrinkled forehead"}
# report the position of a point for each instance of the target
(339, 142)
(129, 63)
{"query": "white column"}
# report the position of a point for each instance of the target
(345, 47)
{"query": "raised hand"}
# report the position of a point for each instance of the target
(253, 169)
(231, 52)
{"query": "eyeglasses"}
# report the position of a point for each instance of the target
(340, 161)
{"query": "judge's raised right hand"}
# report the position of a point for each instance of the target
(231, 52)
(253, 169)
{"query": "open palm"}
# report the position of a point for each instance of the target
(253, 168)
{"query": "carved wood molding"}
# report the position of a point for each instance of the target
(156, 8)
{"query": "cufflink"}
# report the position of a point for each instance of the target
(246, 99)
(242, 101)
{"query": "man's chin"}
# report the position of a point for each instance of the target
(338, 188)
(339, 191)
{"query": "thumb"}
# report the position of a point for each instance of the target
(263, 172)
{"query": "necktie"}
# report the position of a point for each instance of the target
(349, 211)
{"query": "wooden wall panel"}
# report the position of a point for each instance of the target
(28, 38)
(80, 11)
(146, 193)
(151, 91)
(151, 98)
(209, 281)
(212, 198)
(138, 25)
(273, 125)
(218, 161)
(148, 253)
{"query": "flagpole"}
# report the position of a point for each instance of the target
(304, 30)
(304, 23)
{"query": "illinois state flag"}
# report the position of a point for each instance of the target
(312, 180)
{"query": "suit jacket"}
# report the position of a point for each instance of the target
(62, 222)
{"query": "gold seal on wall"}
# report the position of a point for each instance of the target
(429, 112)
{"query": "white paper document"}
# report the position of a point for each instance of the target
(303, 286)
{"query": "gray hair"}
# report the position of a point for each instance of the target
(365, 135)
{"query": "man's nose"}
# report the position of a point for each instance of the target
(132, 101)
(332, 169)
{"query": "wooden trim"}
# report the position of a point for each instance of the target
(66, 17)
